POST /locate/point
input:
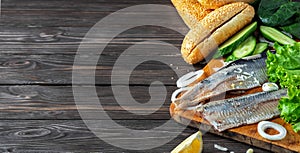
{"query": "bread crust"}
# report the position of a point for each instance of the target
(191, 11)
(213, 4)
(214, 29)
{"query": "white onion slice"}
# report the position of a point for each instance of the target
(263, 125)
(189, 78)
(178, 91)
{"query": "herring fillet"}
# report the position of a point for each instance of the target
(239, 75)
(249, 109)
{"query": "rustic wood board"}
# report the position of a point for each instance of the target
(247, 133)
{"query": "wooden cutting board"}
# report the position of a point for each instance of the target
(247, 133)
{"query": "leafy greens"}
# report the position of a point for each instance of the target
(290, 107)
(281, 13)
(284, 67)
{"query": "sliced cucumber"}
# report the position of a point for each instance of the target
(245, 48)
(233, 42)
(275, 35)
(260, 47)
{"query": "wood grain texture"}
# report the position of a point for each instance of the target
(57, 102)
(73, 136)
(39, 40)
(57, 69)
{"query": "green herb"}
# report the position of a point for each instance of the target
(284, 67)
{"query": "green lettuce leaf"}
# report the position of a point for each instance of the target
(296, 127)
(290, 108)
(284, 67)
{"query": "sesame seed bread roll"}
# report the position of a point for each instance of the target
(214, 29)
(208, 24)
(213, 4)
(191, 11)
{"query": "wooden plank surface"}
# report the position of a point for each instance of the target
(36, 69)
(39, 40)
(57, 102)
(73, 136)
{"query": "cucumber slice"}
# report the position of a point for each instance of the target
(245, 48)
(260, 47)
(233, 42)
(275, 35)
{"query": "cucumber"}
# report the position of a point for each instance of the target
(233, 42)
(231, 58)
(260, 47)
(245, 48)
(275, 35)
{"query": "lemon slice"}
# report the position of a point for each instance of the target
(192, 144)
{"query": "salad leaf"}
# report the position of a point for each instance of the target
(293, 29)
(296, 127)
(283, 13)
(275, 12)
(284, 67)
(290, 107)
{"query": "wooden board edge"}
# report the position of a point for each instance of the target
(231, 134)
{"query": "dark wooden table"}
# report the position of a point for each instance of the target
(39, 40)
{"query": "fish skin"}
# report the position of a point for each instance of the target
(248, 109)
(239, 75)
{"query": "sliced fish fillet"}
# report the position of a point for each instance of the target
(248, 109)
(239, 75)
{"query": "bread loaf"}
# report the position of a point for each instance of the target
(213, 4)
(191, 11)
(214, 29)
